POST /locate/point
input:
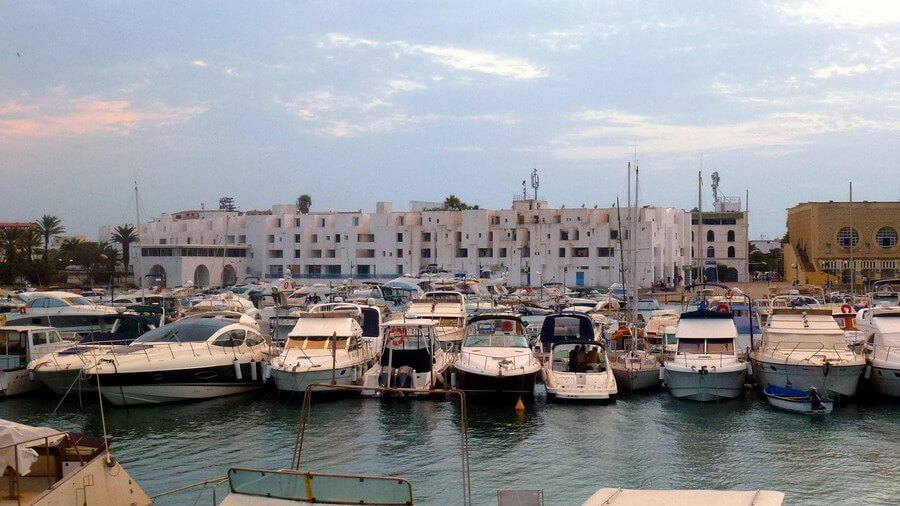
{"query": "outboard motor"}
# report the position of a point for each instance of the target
(404, 377)
(384, 375)
(815, 399)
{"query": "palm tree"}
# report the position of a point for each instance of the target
(49, 226)
(124, 235)
(10, 244)
(30, 242)
(453, 203)
(304, 202)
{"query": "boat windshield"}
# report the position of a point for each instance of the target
(496, 341)
(78, 301)
(715, 346)
(407, 338)
(188, 331)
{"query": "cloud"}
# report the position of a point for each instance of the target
(610, 134)
(841, 13)
(85, 115)
(462, 149)
(561, 40)
(467, 60)
(199, 63)
(405, 85)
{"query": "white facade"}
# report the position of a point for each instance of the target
(530, 242)
(722, 239)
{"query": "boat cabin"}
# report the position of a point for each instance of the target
(495, 331)
(705, 332)
(325, 330)
(578, 355)
(409, 343)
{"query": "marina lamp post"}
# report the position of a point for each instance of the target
(541, 281)
(796, 267)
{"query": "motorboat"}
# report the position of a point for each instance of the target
(578, 369)
(661, 326)
(803, 347)
(495, 357)
(46, 467)
(563, 326)
(369, 316)
(61, 371)
(448, 310)
(200, 356)
(225, 302)
(883, 352)
(325, 346)
(808, 402)
(705, 366)
(54, 303)
(411, 358)
(20, 345)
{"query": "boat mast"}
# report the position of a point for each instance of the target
(634, 273)
(628, 219)
(621, 248)
(137, 212)
(850, 239)
(701, 262)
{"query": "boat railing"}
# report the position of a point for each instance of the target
(481, 360)
(811, 349)
(355, 354)
(881, 352)
(14, 492)
(196, 350)
(687, 357)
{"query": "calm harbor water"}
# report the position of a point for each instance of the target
(569, 451)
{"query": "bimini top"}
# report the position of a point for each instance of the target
(313, 325)
(588, 342)
(566, 326)
(707, 324)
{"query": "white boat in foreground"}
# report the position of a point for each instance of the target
(883, 351)
(324, 347)
(579, 370)
(495, 357)
(705, 366)
(410, 358)
(19, 346)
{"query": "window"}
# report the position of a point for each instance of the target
(365, 237)
(298, 237)
(271, 239)
(710, 236)
(296, 222)
(337, 238)
(253, 339)
(230, 339)
(502, 253)
(731, 252)
(276, 253)
(580, 252)
(690, 346)
(355, 221)
(426, 252)
(710, 252)
(847, 237)
(364, 269)
(613, 234)
(399, 253)
(426, 236)
(563, 235)
(297, 253)
(332, 269)
(399, 236)
(562, 252)
(315, 238)
(399, 269)
(462, 253)
(242, 239)
(886, 237)
(484, 252)
(731, 236)
(606, 252)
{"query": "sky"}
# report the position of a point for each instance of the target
(358, 102)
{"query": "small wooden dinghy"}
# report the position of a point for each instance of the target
(808, 402)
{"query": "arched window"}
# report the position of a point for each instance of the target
(710, 236)
(847, 237)
(731, 252)
(710, 252)
(731, 236)
(692, 252)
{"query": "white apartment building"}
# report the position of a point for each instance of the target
(530, 242)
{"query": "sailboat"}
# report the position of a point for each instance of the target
(634, 368)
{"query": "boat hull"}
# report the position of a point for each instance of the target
(695, 385)
(885, 381)
(64, 381)
(16, 382)
(135, 395)
(298, 381)
(796, 404)
(837, 379)
(474, 383)
(632, 379)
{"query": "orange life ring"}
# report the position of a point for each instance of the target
(846, 308)
(729, 294)
(397, 336)
(22, 310)
(723, 308)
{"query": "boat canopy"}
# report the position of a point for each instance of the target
(313, 325)
(22, 457)
(704, 324)
(193, 330)
(566, 326)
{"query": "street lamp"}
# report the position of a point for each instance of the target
(796, 267)
(541, 281)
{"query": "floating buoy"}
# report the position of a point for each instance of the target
(520, 406)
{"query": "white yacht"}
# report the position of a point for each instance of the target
(61, 371)
(197, 357)
(660, 328)
(20, 345)
(883, 352)
(448, 310)
(705, 366)
(324, 347)
(495, 357)
(578, 369)
(411, 358)
(801, 348)
(67, 312)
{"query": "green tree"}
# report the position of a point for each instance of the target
(453, 203)
(49, 226)
(125, 235)
(304, 203)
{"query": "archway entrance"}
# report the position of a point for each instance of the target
(155, 276)
(229, 276)
(201, 276)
